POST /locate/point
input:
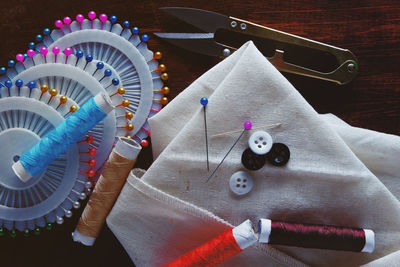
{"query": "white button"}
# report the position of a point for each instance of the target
(260, 142)
(241, 183)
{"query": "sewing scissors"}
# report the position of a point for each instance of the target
(344, 71)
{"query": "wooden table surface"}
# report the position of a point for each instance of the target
(370, 29)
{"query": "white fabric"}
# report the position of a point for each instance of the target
(337, 174)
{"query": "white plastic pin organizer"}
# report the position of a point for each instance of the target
(57, 75)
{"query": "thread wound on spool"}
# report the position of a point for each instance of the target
(108, 187)
(316, 236)
(61, 138)
(219, 249)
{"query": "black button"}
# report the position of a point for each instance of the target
(279, 154)
(252, 161)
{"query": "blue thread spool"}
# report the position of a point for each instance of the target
(62, 137)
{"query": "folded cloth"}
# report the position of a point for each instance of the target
(334, 176)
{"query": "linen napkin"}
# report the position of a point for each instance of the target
(337, 174)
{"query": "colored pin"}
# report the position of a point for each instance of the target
(31, 54)
(79, 18)
(19, 83)
(135, 31)
(92, 16)
(125, 103)
(163, 101)
(56, 50)
(120, 91)
(67, 21)
(113, 19)
(204, 102)
(107, 73)
(59, 24)
(99, 66)
(67, 51)
(20, 58)
(103, 19)
(114, 82)
(145, 38)
(164, 90)
(89, 58)
(44, 52)
(160, 68)
(72, 109)
(89, 139)
(47, 32)
(247, 126)
(157, 55)
(79, 55)
(164, 76)
(53, 92)
(63, 100)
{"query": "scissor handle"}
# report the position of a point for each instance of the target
(346, 71)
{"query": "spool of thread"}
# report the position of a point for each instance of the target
(57, 141)
(316, 236)
(219, 249)
(106, 192)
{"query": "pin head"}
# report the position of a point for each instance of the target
(92, 151)
(53, 92)
(204, 101)
(129, 115)
(32, 45)
(100, 65)
(89, 139)
(31, 84)
(46, 31)
(103, 18)
(67, 20)
(63, 99)
(165, 90)
(91, 173)
(39, 38)
(115, 81)
(19, 83)
(11, 63)
(126, 24)
(8, 83)
(20, 57)
(92, 15)
(129, 127)
(125, 103)
(144, 143)
(113, 19)
(3, 70)
(145, 38)
(164, 100)
(164, 76)
(68, 51)
(135, 30)
(73, 108)
(92, 163)
(121, 90)
(157, 55)
(56, 50)
(79, 54)
(247, 125)
(79, 18)
(107, 73)
(30, 52)
(58, 23)
(162, 67)
(44, 51)
(89, 58)
(44, 88)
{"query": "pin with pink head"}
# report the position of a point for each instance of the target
(44, 52)
(56, 50)
(103, 18)
(92, 16)
(79, 19)
(20, 58)
(59, 24)
(67, 21)
(67, 51)
(30, 53)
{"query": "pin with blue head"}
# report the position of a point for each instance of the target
(114, 81)
(246, 127)
(125, 25)
(204, 102)
(99, 66)
(135, 30)
(39, 38)
(19, 83)
(31, 85)
(3, 70)
(107, 73)
(144, 39)
(47, 32)
(89, 58)
(11, 63)
(79, 55)
(31, 45)
(113, 19)
(8, 84)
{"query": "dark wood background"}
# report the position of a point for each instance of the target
(370, 29)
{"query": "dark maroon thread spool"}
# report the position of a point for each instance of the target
(316, 236)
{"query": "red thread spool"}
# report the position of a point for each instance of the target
(316, 236)
(220, 248)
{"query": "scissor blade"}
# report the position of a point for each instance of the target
(207, 21)
(202, 43)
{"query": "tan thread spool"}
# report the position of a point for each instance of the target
(118, 166)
